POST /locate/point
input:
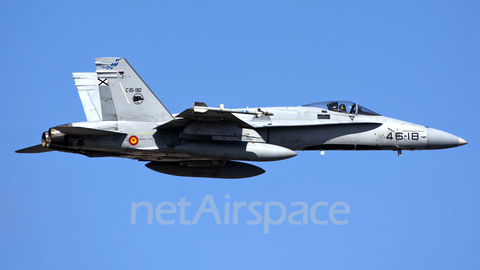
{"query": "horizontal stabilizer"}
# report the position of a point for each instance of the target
(34, 149)
(81, 131)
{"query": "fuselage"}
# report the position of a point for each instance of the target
(295, 128)
(126, 119)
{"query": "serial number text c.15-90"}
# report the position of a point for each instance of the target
(133, 90)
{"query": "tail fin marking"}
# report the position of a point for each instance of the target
(131, 99)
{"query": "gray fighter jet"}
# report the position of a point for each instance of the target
(125, 119)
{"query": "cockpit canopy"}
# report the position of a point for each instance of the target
(343, 107)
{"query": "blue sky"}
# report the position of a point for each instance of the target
(412, 60)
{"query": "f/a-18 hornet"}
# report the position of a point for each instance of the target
(125, 119)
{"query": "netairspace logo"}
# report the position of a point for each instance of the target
(255, 208)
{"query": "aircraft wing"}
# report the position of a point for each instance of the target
(260, 118)
(200, 112)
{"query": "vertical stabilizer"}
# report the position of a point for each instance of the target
(130, 98)
(87, 86)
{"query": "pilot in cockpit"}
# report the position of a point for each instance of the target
(342, 108)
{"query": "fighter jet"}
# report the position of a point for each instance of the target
(127, 120)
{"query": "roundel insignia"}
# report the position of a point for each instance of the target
(138, 99)
(133, 140)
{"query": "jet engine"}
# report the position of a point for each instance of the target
(53, 137)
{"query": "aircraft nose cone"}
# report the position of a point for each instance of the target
(437, 139)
